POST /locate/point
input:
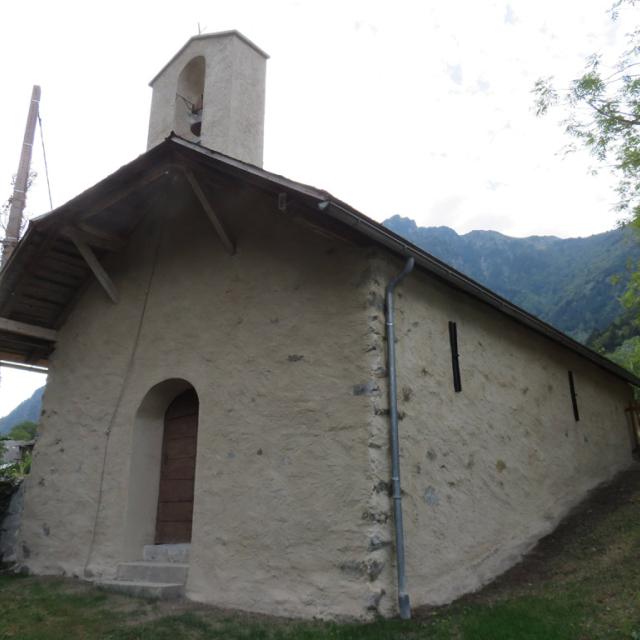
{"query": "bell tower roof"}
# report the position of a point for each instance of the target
(206, 36)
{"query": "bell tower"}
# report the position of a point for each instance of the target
(212, 93)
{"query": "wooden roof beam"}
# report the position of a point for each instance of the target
(216, 221)
(29, 330)
(105, 201)
(95, 237)
(90, 258)
(11, 356)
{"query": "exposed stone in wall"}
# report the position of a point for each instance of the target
(378, 515)
(488, 471)
(274, 340)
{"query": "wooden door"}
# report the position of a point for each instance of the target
(633, 411)
(177, 470)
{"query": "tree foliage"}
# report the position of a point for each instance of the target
(607, 340)
(18, 469)
(603, 115)
(25, 430)
(602, 108)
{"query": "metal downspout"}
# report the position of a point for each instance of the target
(404, 604)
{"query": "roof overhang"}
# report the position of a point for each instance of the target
(46, 273)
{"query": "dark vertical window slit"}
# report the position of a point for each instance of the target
(453, 340)
(574, 398)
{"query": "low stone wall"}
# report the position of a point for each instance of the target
(11, 501)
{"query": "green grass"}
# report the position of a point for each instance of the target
(52, 609)
(583, 584)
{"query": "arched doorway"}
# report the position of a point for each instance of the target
(167, 399)
(177, 470)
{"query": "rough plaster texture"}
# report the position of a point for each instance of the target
(284, 344)
(273, 341)
(488, 471)
(234, 97)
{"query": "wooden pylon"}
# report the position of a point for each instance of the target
(19, 197)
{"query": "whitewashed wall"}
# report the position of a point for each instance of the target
(284, 345)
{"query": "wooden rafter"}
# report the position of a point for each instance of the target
(29, 330)
(10, 356)
(95, 237)
(104, 202)
(15, 288)
(216, 221)
(90, 258)
(52, 233)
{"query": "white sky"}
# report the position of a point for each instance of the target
(413, 107)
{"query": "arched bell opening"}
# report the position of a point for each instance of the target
(162, 468)
(189, 100)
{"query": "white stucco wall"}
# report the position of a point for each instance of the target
(284, 344)
(273, 340)
(486, 472)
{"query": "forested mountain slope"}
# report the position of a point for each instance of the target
(566, 282)
(27, 410)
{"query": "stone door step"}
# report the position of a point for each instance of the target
(166, 553)
(163, 572)
(141, 589)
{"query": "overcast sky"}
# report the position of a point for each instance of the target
(411, 107)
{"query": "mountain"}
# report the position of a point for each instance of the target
(29, 409)
(566, 282)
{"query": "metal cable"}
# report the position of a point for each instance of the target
(123, 387)
(46, 166)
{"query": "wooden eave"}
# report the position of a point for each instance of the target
(47, 273)
(50, 267)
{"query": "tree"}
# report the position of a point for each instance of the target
(603, 115)
(25, 430)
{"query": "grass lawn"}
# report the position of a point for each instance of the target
(581, 583)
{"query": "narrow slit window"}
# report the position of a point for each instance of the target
(455, 363)
(574, 397)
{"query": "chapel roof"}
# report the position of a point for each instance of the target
(47, 272)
